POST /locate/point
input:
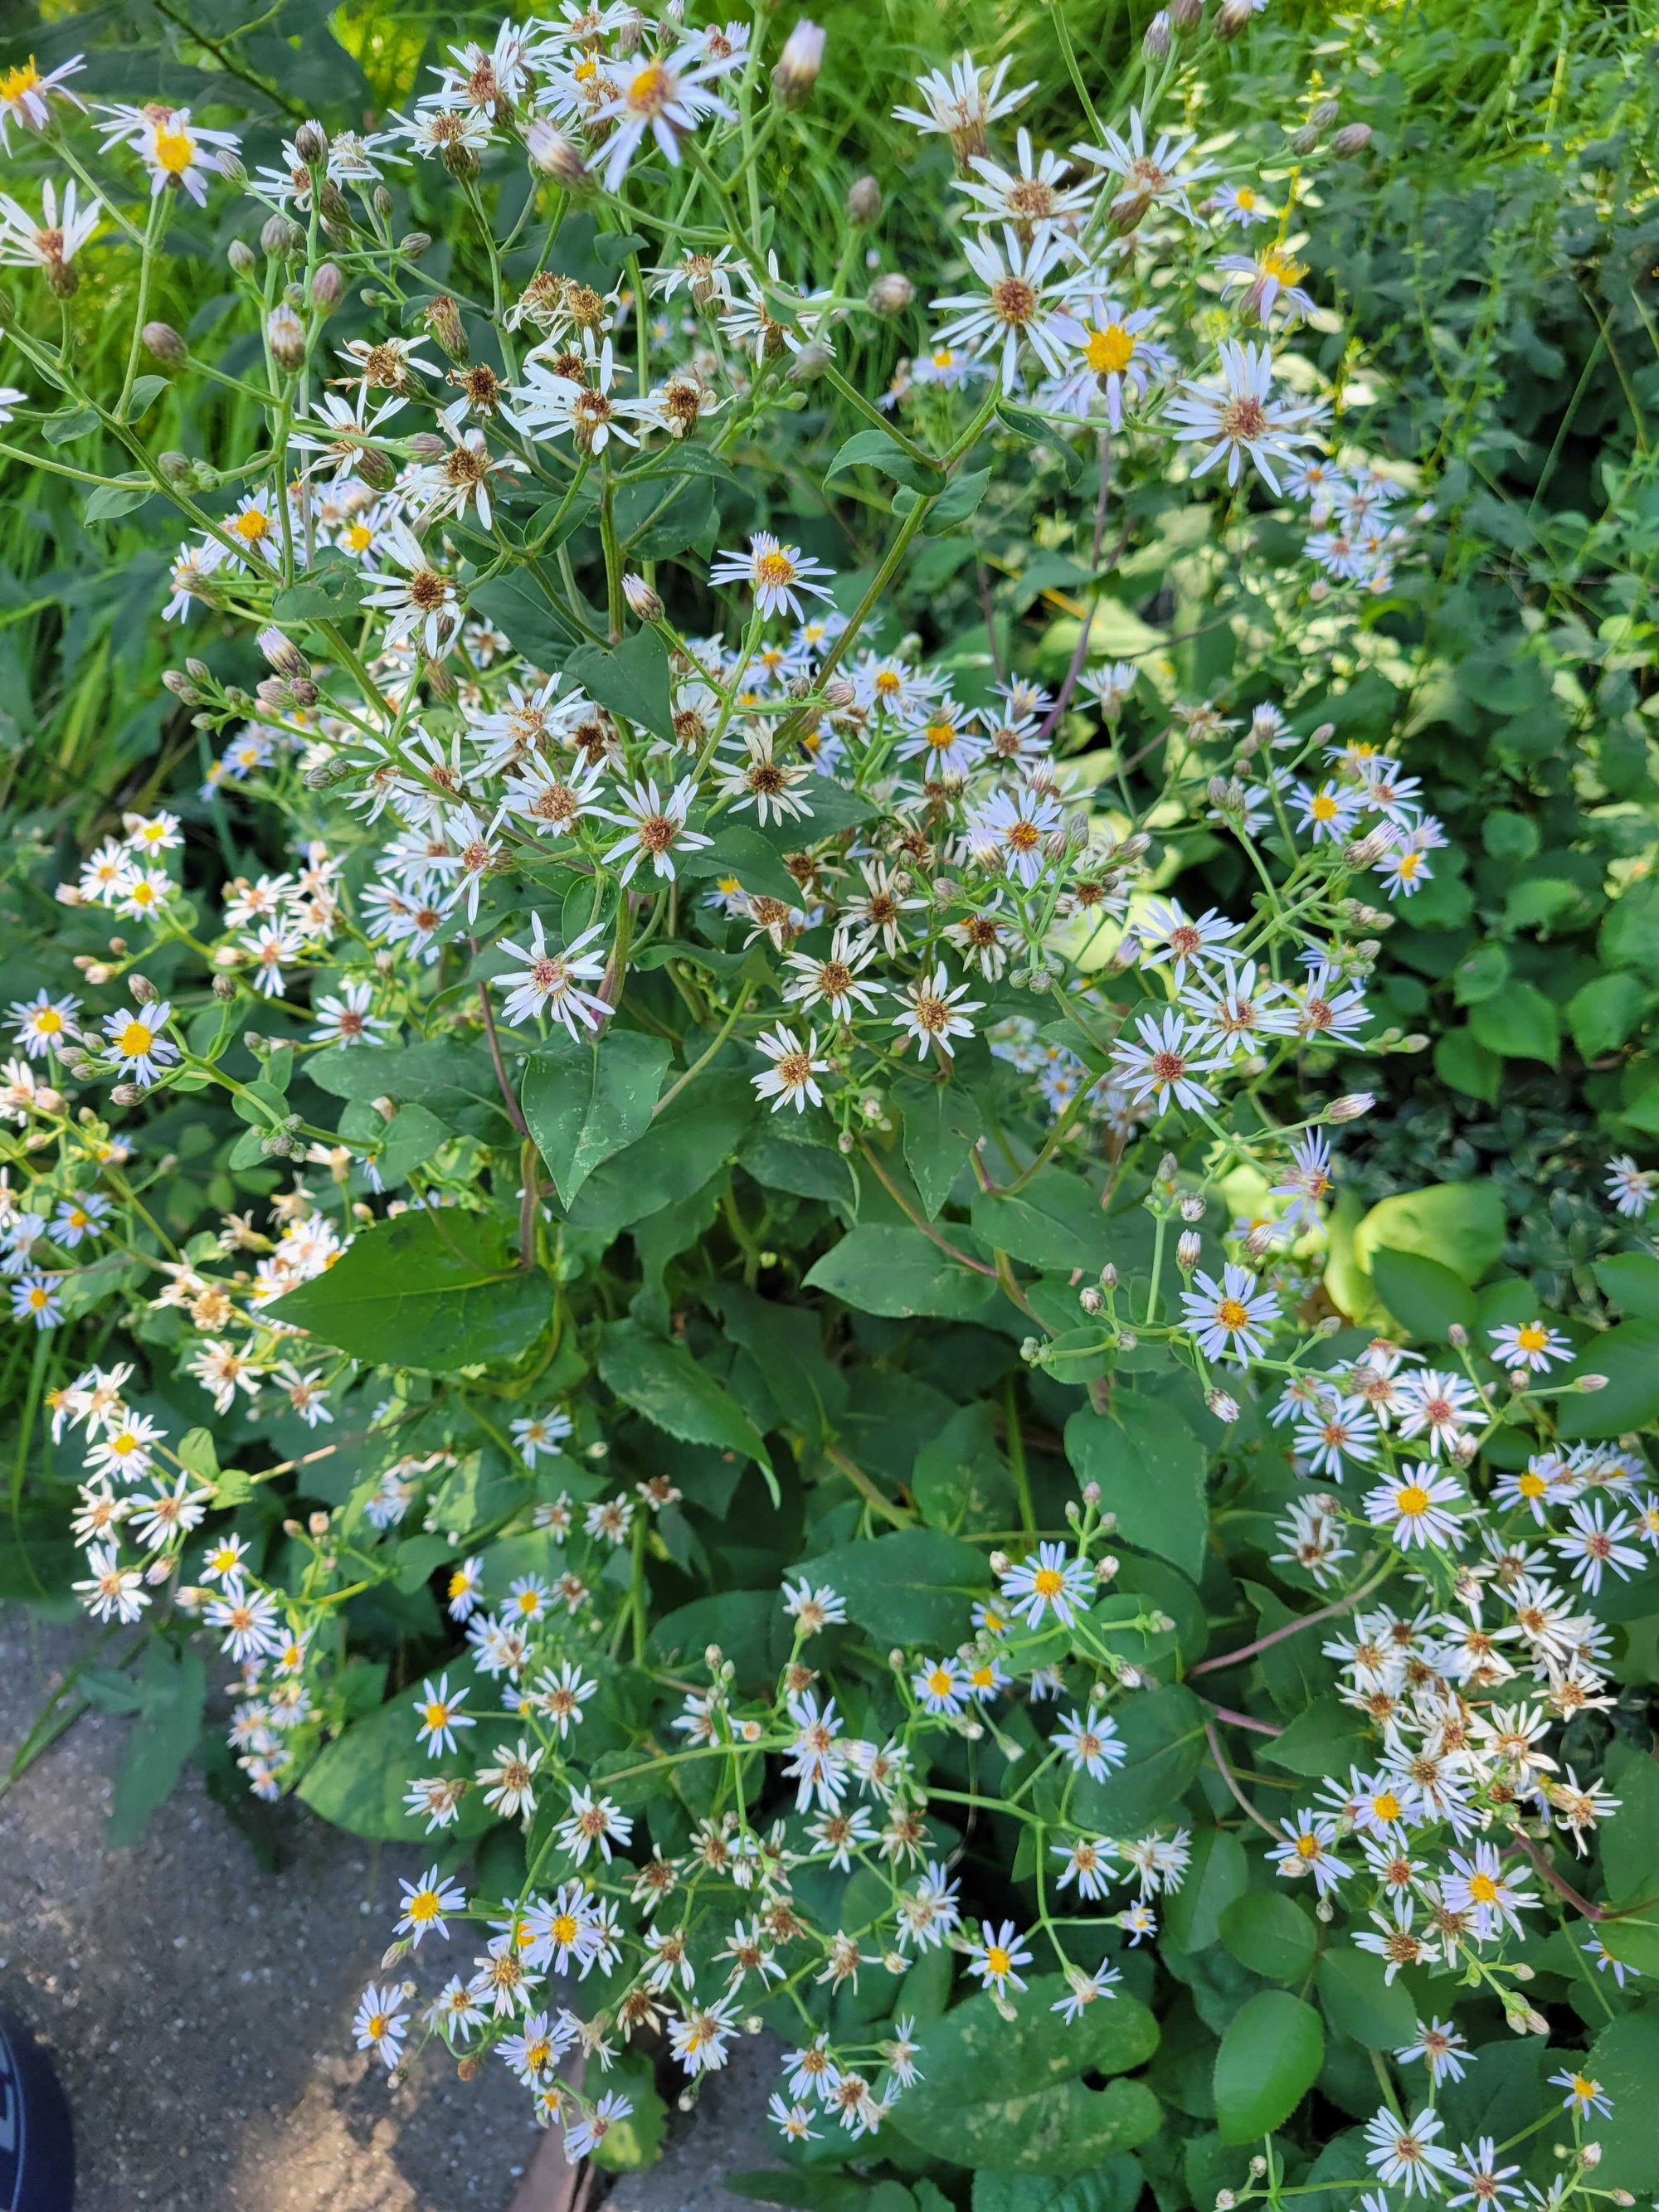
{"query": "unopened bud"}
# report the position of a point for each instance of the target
(428, 446)
(892, 293)
(797, 65)
(1091, 1300)
(240, 256)
(555, 155)
(1189, 1246)
(282, 654)
(1457, 1335)
(414, 243)
(1193, 1207)
(838, 694)
(1352, 138)
(863, 202)
(1350, 1106)
(1127, 1341)
(1157, 38)
(1592, 1381)
(642, 600)
(1186, 14)
(224, 987)
(326, 286)
(285, 334)
(143, 989)
(808, 365)
(162, 342)
(280, 236)
(1108, 1277)
(125, 1094)
(176, 468)
(1231, 18)
(311, 143)
(1223, 1405)
(1323, 113)
(1304, 141)
(443, 319)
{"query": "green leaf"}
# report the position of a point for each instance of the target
(874, 449)
(941, 1125)
(1151, 1470)
(742, 854)
(327, 593)
(663, 1381)
(1269, 2059)
(172, 1695)
(916, 1586)
(1113, 2187)
(786, 1342)
(1625, 2060)
(630, 678)
(1163, 1732)
(357, 1782)
(1631, 1280)
(1054, 1223)
(1521, 1023)
(750, 1626)
(1360, 2000)
(1483, 970)
(517, 606)
(1324, 1739)
(961, 498)
(109, 500)
(800, 2192)
(1219, 1873)
(586, 1102)
(1467, 1066)
(1042, 2120)
(1267, 1931)
(686, 1143)
(1605, 1012)
(1630, 935)
(1426, 1298)
(1461, 1224)
(961, 1479)
(445, 1076)
(1036, 432)
(778, 1160)
(1628, 1355)
(433, 1289)
(884, 1268)
(412, 1136)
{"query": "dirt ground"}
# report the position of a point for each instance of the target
(198, 2007)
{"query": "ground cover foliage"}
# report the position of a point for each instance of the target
(834, 948)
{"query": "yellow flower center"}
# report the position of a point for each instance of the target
(15, 82)
(1408, 864)
(1282, 267)
(359, 537)
(940, 734)
(250, 526)
(774, 569)
(423, 1905)
(997, 1959)
(1386, 1806)
(940, 1682)
(1482, 1888)
(48, 1021)
(459, 1582)
(564, 1928)
(1232, 1313)
(134, 1039)
(174, 150)
(651, 89)
(436, 1716)
(1413, 1499)
(1306, 1847)
(1532, 1337)
(1531, 1485)
(1245, 199)
(1048, 1582)
(1324, 806)
(1109, 349)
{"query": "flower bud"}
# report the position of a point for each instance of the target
(163, 344)
(642, 599)
(326, 286)
(285, 334)
(1186, 14)
(224, 988)
(797, 65)
(443, 319)
(282, 654)
(1352, 138)
(838, 694)
(176, 468)
(1157, 38)
(1223, 1405)
(892, 293)
(1189, 1246)
(1127, 1341)
(1091, 1300)
(863, 202)
(377, 470)
(1592, 1381)
(1193, 1207)
(555, 155)
(809, 364)
(1350, 1106)
(1304, 141)
(1232, 17)
(1323, 113)
(125, 1094)
(413, 244)
(311, 143)
(143, 991)
(240, 255)
(280, 236)
(1108, 1277)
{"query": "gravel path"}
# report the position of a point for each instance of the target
(198, 2008)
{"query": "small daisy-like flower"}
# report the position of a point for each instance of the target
(1484, 2182)
(422, 601)
(1272, 280)
(1441, 1406)
(1604, 1961)
(962, 104)
(1231, 1319)
(769, 786)
(44, 1023)
(1092, 1743)
(464, 1592)
(1421, 1508)
(1015, 828)
(1050, 1580)
(792, 2121)
(52, 244)
(791, 1077)
(1584, 2094)
(1165, 1063)
(1591, 1544)
(1528, 1347)
(775, 572)
(1330, 812)
(379, 2025)
(110, 1590)
(941, 1684)
(1440, 2046)
(511, 1782)
(1477, 1885)
(813, 1609)
(26, 93)
(136, 1040)
(1146, 178)
(1405, 2155)
(1309, 1848)
(536, 1433)
(425, 1903)
(656, 828)
(833, 982)
(934, 1013)
(550, 982)
(1630, 1188)
(698, 2040)
(346, 1018)
(997, 1955)
(440, 1716)
(592, 1822)
(1333, 1434)
(662, 97)
(1086, 1864)
(1111, 359)
(1020, 306)
(1236, 415)
(177, 153)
